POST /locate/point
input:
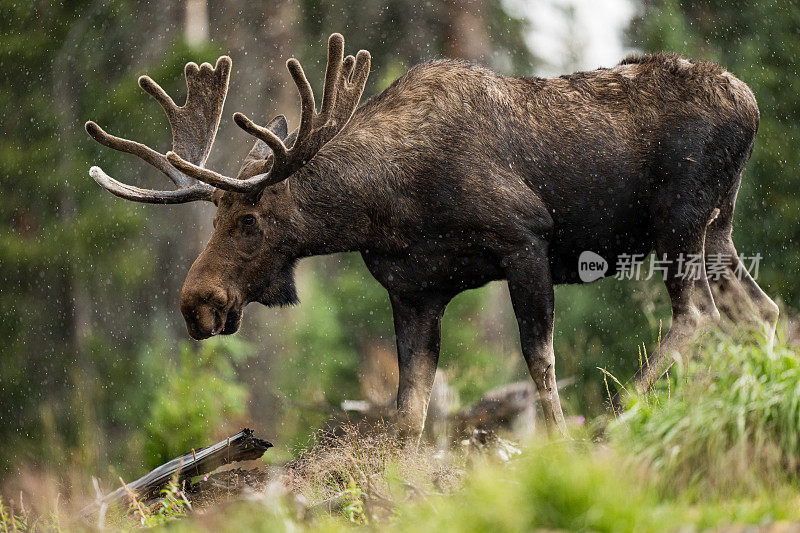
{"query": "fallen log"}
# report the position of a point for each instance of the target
(243, 446)
(500, 407)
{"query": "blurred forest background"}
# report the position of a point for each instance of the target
(96, 368)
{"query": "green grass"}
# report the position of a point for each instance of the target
(13, 519)
(726, 424)
(579, 487)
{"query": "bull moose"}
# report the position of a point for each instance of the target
(455, 176)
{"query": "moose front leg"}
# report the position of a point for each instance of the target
(417, 324)
(530, 285)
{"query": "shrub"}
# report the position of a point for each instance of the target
(199, 399)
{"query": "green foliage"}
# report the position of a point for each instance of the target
(13, 521)
(731, 425)
(198, 399)
(414, 31)
(353, 508)
(171, 505)
(345, 307)
(82, 281)
(344, 310)
(719, 445)
(474, 364)
(600, 325)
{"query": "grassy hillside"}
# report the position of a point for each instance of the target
(716, 445)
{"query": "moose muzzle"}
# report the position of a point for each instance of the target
(209, 310)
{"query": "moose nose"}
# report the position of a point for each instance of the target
(204, 310)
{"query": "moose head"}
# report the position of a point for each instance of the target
(252, 252)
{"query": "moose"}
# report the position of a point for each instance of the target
(455, 176)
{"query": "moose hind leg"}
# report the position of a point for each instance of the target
(681, 246)
(736, 293)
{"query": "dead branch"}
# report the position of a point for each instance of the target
(243, 446)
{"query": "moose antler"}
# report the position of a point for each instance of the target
(340, 97)
(194, 126)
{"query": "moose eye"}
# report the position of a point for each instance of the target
(248, 220)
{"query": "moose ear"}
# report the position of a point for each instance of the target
(256, 161)
(279, 127)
